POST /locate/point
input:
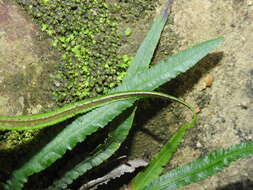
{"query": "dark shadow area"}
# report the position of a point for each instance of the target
(119, 182)
(185, 81)
(241, 185)
(103, 170)
(71, 158)
(20, 155)
(149, 108)
(182, 84)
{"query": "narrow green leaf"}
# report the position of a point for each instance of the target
(145, 52)
(61, 114)
(171, 67)
(157, 164)
(115, 139)
(202, 168)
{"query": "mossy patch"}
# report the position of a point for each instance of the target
(132, 10)
(15, 138)
(86, 33)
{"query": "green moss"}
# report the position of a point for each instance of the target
(11, 139)
(86, 34)
(131, 10)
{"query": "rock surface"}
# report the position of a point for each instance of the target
(26, 61)
(228, 116)
(221, 86)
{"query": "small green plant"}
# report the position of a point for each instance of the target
(139, 79)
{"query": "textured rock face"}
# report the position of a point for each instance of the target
(226, 101)
(24, 64)
(227, 118)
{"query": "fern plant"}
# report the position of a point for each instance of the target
(139, 81)
(197, 170)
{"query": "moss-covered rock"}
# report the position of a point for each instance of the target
(85, 32)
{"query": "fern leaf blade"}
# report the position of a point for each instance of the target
(202, 168)
(115, 139)
(145, 53)
(168, 69)
(157, 164)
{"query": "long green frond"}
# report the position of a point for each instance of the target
(156, 166)
(115, 139)
(171, 67)
(145, 52)
(202, 168)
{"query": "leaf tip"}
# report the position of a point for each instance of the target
(165, 9)
(221, 38)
